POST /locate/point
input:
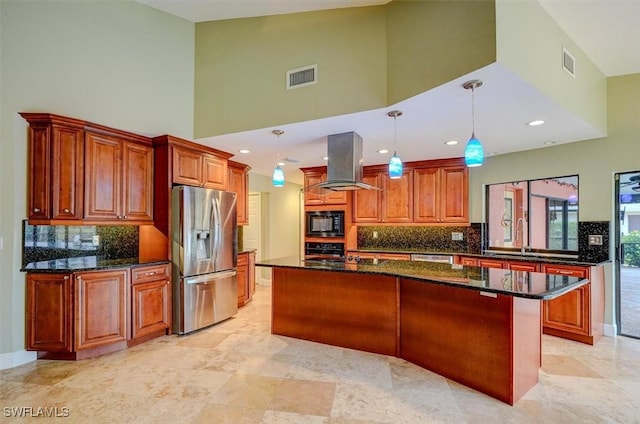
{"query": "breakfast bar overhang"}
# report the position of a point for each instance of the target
(480, 327)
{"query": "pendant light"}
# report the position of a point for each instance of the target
(278, 173)
(395, 164)
(473, 153)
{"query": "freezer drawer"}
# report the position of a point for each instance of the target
(205, 300)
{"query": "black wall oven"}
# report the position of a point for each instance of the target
(325, 224)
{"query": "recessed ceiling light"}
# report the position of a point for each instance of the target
(451, 142)
(281, 163)
(325, 157)
(383, 151)
(549, 143)
(492, 153)
(535, 123)
(244, 151)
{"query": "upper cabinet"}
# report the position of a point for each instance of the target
(55, 167)
(238, 183)
(196, 168)
(441, 194)
(430, 192)
(318, 196)
(83, 172)
(119, 179)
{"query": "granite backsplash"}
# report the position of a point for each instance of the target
(439, 239)
(48, 242)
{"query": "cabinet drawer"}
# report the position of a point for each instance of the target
(141, 274)
(573, 271)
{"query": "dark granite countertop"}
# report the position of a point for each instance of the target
(532, 285)
(527, 257)
(87, 263)
(246, 251)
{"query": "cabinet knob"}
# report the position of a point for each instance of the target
(150, 273)
(119, 216)
(66, 277)
(66, 210)
(125, 217)
(168, 282)
(36, 210)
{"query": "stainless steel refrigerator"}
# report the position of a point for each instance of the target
(204, 255)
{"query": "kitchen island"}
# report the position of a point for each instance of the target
(478, 326)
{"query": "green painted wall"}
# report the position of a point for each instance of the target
(121, 64)
(241, 66)
(530, 43)
(430, 43)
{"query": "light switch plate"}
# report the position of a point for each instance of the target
(1, 243)
(595, 240)
(457, 236)
(95, 240)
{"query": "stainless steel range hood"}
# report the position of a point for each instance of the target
(344, 167)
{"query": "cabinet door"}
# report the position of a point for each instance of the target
(569, 312)
(425, 199)
(67, 172)
(214, 172)
(366, 203)
(49, 313)
(150, 307)
(243, 279)
(397, 198)
(187, 167)
(454, 194)
(137, 189)
(101, 308)
(39, 173)
(313, 197)
(104, 173)
(238, 185)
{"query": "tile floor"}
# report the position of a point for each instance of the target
(237, 372)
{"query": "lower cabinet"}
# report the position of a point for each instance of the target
(150, 301)
(246, 277)
(84, 314)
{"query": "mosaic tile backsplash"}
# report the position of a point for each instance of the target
(48, 242)
(418, 238)
(438, 239)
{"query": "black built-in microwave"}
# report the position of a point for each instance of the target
(325, 224)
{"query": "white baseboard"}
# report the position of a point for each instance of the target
(14, 359)
(610, 330)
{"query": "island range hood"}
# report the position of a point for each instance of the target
(344, 166)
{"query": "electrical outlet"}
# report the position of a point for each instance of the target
(457, 236)
(375, 234)
(595, 240)
(95, 240)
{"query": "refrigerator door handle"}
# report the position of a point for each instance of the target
(209, 278)
(217, 230)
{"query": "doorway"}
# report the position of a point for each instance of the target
(627, 261)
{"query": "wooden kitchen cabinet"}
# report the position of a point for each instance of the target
(119, 179)
(367, 203)
(397, 197)
(49, 312)
(579, 314)
(101, 308)
(317, 175)
(238, 183)
(150, 301)
(246, 277)
(197, 168)
(441, 194)
(55, 168)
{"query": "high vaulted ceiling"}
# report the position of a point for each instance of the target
(606, 31)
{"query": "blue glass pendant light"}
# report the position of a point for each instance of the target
(473, 153)
(395, 164)
(278, 173)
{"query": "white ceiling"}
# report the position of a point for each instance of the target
(606, 30)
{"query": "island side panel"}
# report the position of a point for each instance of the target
(357, 311)
(470, 338)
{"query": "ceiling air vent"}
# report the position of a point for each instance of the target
(568, 62)
(302, 77)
